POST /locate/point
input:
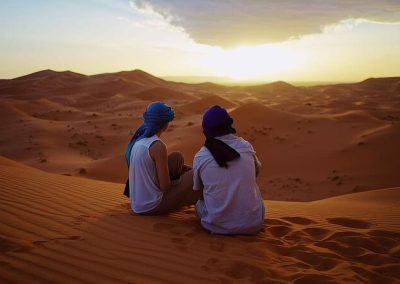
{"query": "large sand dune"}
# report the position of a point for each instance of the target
(63, 218)
(338, 138)
(64, 229)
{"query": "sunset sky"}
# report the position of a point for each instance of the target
(292, 40)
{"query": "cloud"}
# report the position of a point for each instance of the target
(229, 23)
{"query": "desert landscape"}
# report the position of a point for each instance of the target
(330, 180)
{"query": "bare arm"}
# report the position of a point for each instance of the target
(158, 152)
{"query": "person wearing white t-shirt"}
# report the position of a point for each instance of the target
(225, 170)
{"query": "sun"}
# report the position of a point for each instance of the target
(253, 62)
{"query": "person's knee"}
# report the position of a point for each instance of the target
(175, 155)
(175, 164)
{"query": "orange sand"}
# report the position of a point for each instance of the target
(335, 147)
(68, 230)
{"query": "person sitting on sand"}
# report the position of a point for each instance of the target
(157, 183)
(225, 170)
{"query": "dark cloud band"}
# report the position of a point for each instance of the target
(230, 22)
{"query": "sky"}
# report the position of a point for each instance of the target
(255, 40)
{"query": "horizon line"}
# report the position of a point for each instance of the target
(220, 80)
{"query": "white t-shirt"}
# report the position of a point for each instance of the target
(145, 193)
(232, 200)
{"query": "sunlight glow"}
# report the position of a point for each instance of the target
(98, 36)
(253, 62)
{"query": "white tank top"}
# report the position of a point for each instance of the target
(144, 188)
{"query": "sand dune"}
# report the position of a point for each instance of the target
(335, 146)
(318, 151)
(136, 76)
(390, 84)
(41, 83)
(276, 88)
(201, 105)
(308, 138)
(161, 94)
(100, 169)
(10, 113)
(65, 76)
(63, 229)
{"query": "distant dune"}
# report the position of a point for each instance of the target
(308, 138)
(161, 94)
(201, 105)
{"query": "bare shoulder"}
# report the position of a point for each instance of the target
(157, 148)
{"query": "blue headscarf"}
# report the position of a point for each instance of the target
(156, 115)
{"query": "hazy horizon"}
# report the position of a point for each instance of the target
(226, 81)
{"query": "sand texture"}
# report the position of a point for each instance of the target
(68, 229)
(330, 180)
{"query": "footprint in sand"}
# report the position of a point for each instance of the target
(384, 233)
(296, 236)
(279, 231)
(358, 245)
(341, 249)
(317, 233)
(299, 220)
(320, 261)
(350, 223)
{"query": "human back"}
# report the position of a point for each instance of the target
(231, 196)
(158, 182)
(225, 170)
(144, 189)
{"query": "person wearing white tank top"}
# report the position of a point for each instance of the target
(144, 187)
(158, 183)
